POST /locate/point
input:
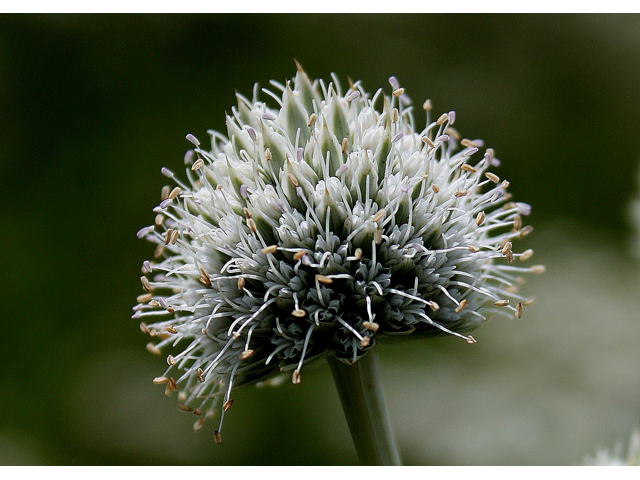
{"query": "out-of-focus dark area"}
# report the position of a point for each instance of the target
(93, 106)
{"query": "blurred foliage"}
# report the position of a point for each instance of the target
(94, 106)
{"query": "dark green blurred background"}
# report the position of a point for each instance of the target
(93, 106)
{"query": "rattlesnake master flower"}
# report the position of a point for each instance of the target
(323, 223)
(616, 456)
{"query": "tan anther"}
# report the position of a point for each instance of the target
(165, 192)
(295, 377)
(292, 179)
(480, 218)
(460, 307)
(171, 360)
(509, 206)
(159, 251)
(245, 354)
(538, 269)
(159, 219)
(172, 384)
(247, 213)
(241, 283)
(198, 424)
(144, 298)
(217, 437)
(506, 248)
(519, 310)
(434, 306)
(526, 231)
(473, 249)
(398, 91)
(200, 375)
(526, 255)
(227, 405)
(184, 408)
(491, 153)
(452, 132)
(465, 142)
(197, 411)
(206, 281)
(174, 237)
(494, 178)
(345, 145)
(468, 168)
(267, 154)
(269, 249)
(371, 326)
(365, 342)
(298, 313)
(443, 118)
(251, 224)
(163, 335)
(511, 289)
(529, 301)
(394, 115)
(167, 236)
(175, 192)
(504, 184)
(312, 119)
(205, 331)
(145, 283)
(509, 256)
(427, 105)
(197, 165)
(379, 215)
(219, 187)
(428, 141)
(435, 188)
(153, 349)
(460, 193)
(377, 236)
(171, 329)
(154, 303)
(160, 380)
(324, 279)
(358, 254)
(298, 255)
(470, 339)
(517, 223)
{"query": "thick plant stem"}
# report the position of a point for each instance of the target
(360, 391)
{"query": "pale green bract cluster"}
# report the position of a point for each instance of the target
(320, 225)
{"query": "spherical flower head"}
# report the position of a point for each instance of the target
(319, 225)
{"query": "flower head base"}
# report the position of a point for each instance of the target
(319, 227)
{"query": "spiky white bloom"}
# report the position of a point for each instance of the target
(604, 457)
(319, 227)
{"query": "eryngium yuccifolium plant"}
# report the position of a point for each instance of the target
(321, 224)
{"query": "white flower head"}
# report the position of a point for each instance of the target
(320, 225)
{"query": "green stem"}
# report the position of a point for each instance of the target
(360, 391)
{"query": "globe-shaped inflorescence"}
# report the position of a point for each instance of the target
(320, 225)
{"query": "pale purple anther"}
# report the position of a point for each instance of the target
(243, 190)
(299, 192)
(147, 266)
(166, 172)
(452, 117)
(404, 188)
(397, 137)
(193, 140)
(268, 116)
(352, 96)
(523, 208)
(497, 194)
(252, 133)
(341, 169)
(188, 157)
(442, 138)
(165, 203)
(299, 154)
(394, 82)
(144, 231)
(306, 260)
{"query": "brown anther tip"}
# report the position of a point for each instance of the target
(480, 218)
(197, 411)
(312, 119)
(184, 408)
(324, 279)
(269, 249)
(171, 360)
(470, 339)
(292, 179)
(298, 313)
(365, 342)
(461, 306)
(227, 405)
(298, 255)
(428, 141)
(501, 303)
(197, 165)
(443, 118)
(506, 248)
(206, 281)
(247, 213)
(174, 237)
(245, 354)
(217, 437)
(200, 375)
(171, 329)
(153, 349)
(435, 188)
(160, 380)
(345, 145)
(519, 310)
(251, 224)
(267, 154)
(295, 377)
(167, 237)
(509, 256)
(145, 283)
(371, 326)
(473, 249)
(379, 215)
(460, 193)
(517, 223)
(492, 177)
